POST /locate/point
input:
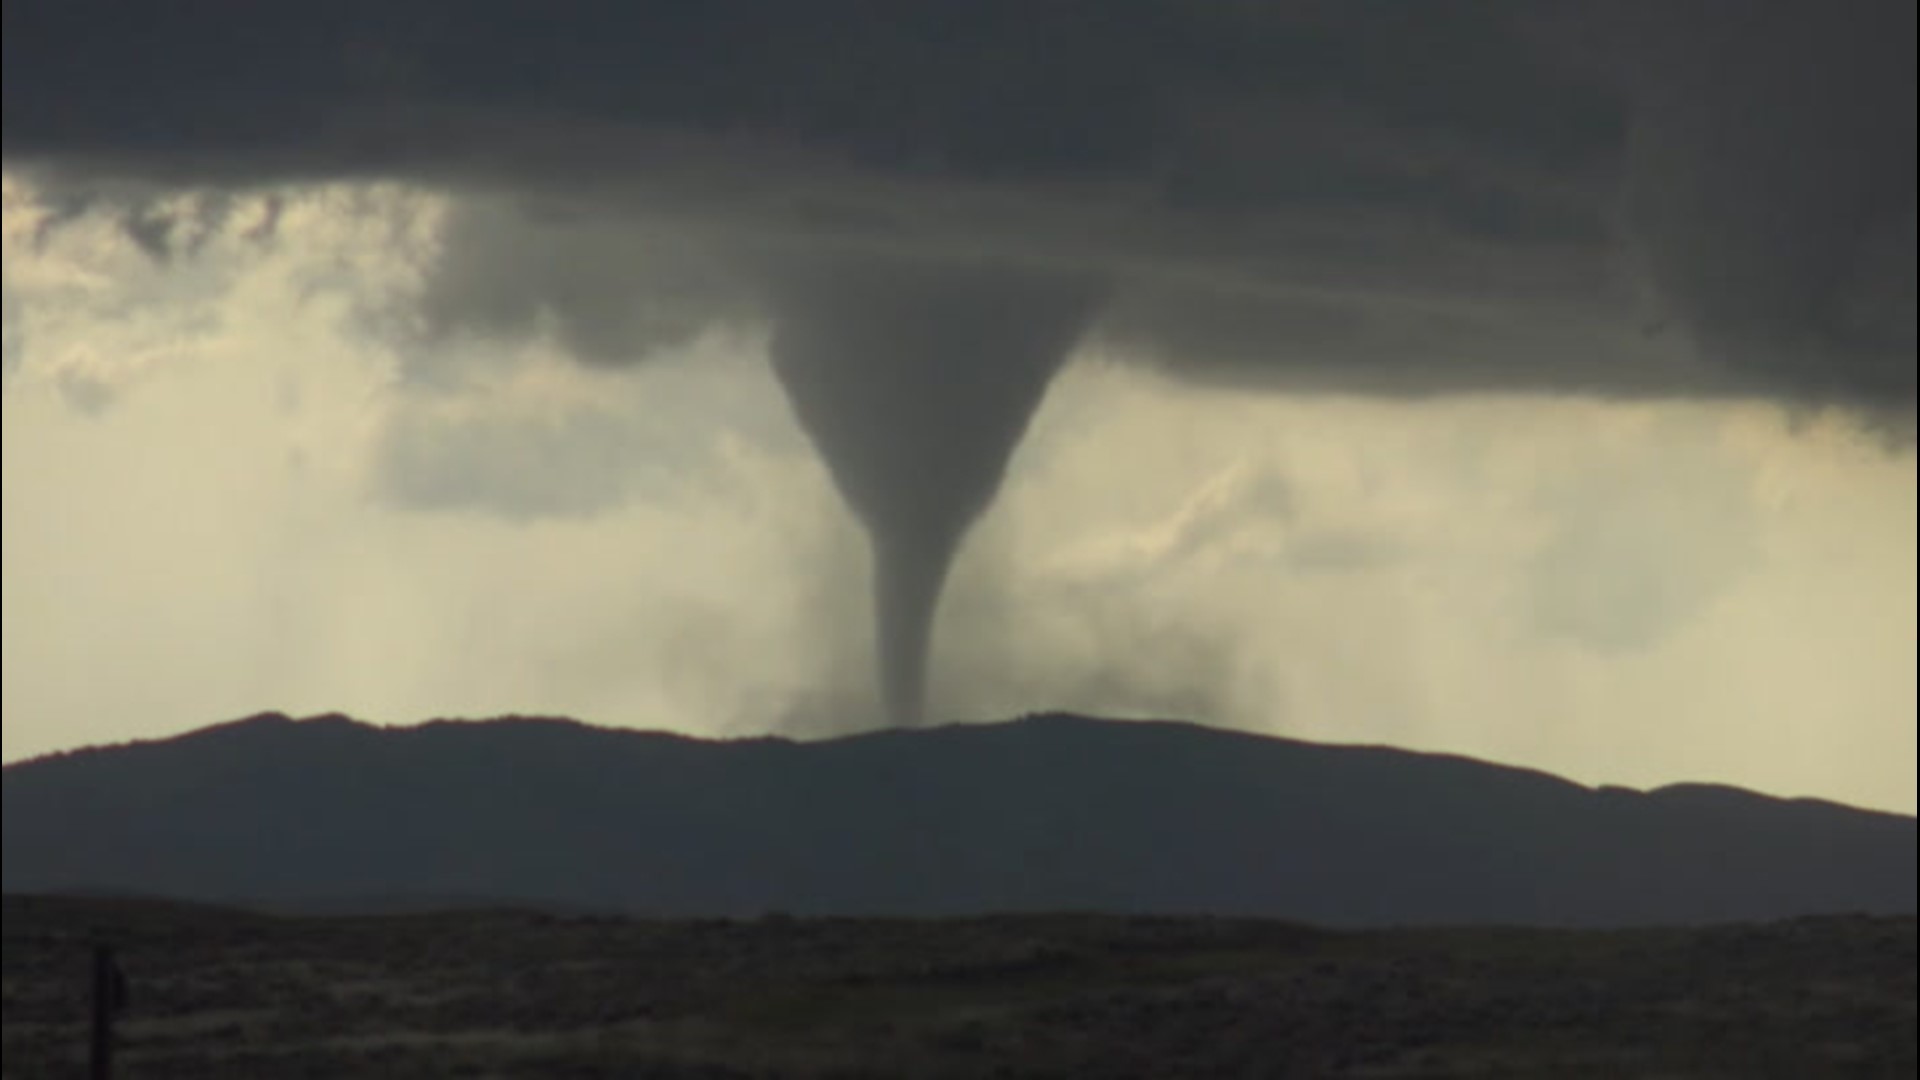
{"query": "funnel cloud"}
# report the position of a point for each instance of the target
(915, 379)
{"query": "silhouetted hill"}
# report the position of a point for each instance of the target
(1045, 813)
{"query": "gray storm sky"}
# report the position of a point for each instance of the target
(1552, 404)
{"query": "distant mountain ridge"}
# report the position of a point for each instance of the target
(1053, 812)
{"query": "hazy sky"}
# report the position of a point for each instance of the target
(1547, 407)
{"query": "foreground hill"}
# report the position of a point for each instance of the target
(503, 993)
(1045, 813)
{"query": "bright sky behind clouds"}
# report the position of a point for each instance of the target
(234, 481)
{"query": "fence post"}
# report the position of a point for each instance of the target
(109, 997)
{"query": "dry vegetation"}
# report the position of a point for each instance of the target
(507, 993)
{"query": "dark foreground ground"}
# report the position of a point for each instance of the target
(217, 992)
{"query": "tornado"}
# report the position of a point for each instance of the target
(915, 378)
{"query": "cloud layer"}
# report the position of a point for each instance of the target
(1364, 195)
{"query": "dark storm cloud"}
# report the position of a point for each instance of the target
(1771, 184)
(607, 292)
(1360, 177)
(996, 88)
